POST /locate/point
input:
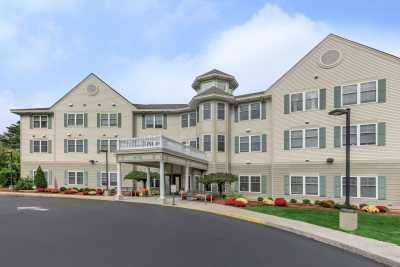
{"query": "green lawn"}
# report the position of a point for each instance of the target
(377, 226)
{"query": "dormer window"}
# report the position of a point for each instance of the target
(214, 83)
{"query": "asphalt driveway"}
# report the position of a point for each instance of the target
(67, 232)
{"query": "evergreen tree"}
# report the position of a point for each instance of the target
(40, 179)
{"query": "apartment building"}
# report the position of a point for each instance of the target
(280, 141)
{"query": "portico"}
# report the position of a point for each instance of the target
(161, 152)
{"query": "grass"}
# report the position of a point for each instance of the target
(376, 226)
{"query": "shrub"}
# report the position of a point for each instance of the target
(370, 209)
(233, 195)
(92, 193)
(154, 191)
(270, 198)
(245, 201)
(260, 199)
(339, 206)
(41, 190)
(306, 202)
(362, 205)
(70, 191)
(39, 179)
(52, 190)
(62, 189)
(24, 184)
(99, 191)
(281, 202)
(327, 203)
(240, 204)
(293, 201)
(382, 208)
(230, 202)
(268, 202)
(317, 202)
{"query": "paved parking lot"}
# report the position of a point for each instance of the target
(67, 232)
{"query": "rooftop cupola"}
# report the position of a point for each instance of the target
(215, 80)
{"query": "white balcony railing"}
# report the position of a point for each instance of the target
(149, 142)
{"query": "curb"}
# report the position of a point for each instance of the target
(342, 245)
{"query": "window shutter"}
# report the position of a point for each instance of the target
(119, 120)
(337, 96)
(50, 121)
(66, 178)
(49, 146)
(198, 143)
(143, 122)
(322, 186)
(30, 146)
(286, 185)
(98, 179)
(263, 110)
(85, 178)
(322, 98)
(85, 146)
(264, 143)
(236, 186)
(98, 146)
(382, 91)
(337, 186)
(198, 114)
(236, 113)
(286, 104)
(65, 120)
(381, 134)
(31, 121)
(337, 136)
(236, 144)
(165, 121)
(98, 120)
(286, 140)
(322, 137)
(382, 187)
(264, 184)
(65, 146)
(85, 120)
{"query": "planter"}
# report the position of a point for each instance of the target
(348, 219)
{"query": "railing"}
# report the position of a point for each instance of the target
(149, 142)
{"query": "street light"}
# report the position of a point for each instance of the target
(339, 112)
(106, 151)
(10, 166)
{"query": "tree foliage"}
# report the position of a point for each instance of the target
(136, 175)
(218, 178)
(40, 179)
(11, 137)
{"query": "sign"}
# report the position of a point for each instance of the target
(173, 188)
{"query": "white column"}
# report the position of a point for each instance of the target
(187, 179)
(148, 179)
(119, 180)
(162, 182)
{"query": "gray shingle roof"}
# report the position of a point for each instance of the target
(161, 106)
(214, 90)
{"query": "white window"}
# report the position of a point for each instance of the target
(250, 143)
(75, 119)
(188, 119)
(308, 100)
(154, 120)
(296, 102)
(40, 121)
(75, 145)
(311, 136)
(110, 145)
(75, 177)
(111, 180)
(364, 134)
(312, 100)
(304, 185)
(358, 93)
(207, 143)
(40, 146)
(108, 120)
(250, 183)
(244, 144)
(206, 111)
(296, 139)
(304, 138)
(221, 111)
(361, 187)
(193, 143)
(221, 143)
(250, 111)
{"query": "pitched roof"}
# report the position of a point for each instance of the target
(214, 90)
(215, 71)
(160, 106)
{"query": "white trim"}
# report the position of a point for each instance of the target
(304, 100)
(218, 143)
(76, 177)
(359, 93)
(40, 145)
(249, 139)
(249, 110)
(249, 183)
(153, 118)
(211, 109)
(75, 125)
(75, 146)
(189, 125)
(359, 134)
(109, 144)
(304, 185)
(108, 178)
(40, 121)
(304, 138)
(218, 103)
(108, 119)
(359, 186)
(211, 142)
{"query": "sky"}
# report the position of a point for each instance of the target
(151, 50)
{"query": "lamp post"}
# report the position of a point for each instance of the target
(348, 217)
(10, 166)
(108, 178)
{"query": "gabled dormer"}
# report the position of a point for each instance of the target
(215, 80)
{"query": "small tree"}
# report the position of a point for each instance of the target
(218, 178)
(40, 179)
(138, 176)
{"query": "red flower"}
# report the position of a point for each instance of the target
(240, 204)
(281, 202)
(230, 202)
(382, 208)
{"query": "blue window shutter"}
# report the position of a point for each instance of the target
(30, 146)
(264, 184)
(49, 146)
(31, 121)
(66, 178)
(65, 146)
(198, 114)
(143, 122)
(382, 187)
(119, 120)
(286, 140)
(322, 137)
(381, 134)
(337, 185)
(98, 179)
(264, 143)
(286, 104)
(98, 146)
(236, 144)
(65, 120)
(50, 121)
(263, 110)
(286, 185)
(85, 146)
(337, 96)
(322, 98)
(382, 91)
(322, 186)
(165, 121)
(98, 120)
(236, 113)
(337, 136)
(85, 178)
(85, 120)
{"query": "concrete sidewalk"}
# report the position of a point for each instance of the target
(382, 252)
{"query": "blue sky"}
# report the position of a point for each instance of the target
(151, 50)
